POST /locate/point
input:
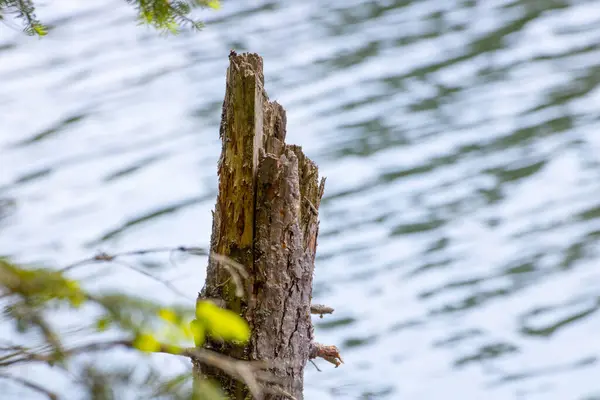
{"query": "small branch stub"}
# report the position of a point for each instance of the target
(321, 309)
(328, 353)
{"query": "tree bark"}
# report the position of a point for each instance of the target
(265, 218)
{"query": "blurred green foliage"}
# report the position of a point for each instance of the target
(165, 15)
(219, 323)
(30, 295)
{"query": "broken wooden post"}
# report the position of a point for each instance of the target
(265, 218)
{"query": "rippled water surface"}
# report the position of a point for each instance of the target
(461, 145)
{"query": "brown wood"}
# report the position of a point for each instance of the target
(266, 218)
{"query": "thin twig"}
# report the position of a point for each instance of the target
(31, 385)
(241, 370)
(313, 363)
(236, 271)
(312, 207)
(280, 391)
(228, 261)
(103, 257)
(247, 372)
(24, 310)
(149, 275)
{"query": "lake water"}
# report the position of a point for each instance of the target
(461, 144)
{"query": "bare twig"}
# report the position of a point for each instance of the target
(19, 354)
(313, 363)
(245, 371)
(280, 391)
(104, 257)
(29, 356)
(153, 277)
(31, 385)
(248, 372)
(236, 270)
(312, 207)
(24, 310)
(228, 261)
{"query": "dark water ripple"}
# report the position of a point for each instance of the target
(460, 139)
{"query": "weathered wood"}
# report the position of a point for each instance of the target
(266, 218)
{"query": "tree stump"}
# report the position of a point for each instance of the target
(265, 218)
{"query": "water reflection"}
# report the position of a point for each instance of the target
(459, 229)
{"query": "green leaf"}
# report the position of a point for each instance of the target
(214, 4)
(73, 293)
(40, 285)
(103, 324)
(40, 30)
(221, 323)
(168, 315)
(197, 332)
(172, 27)
(146, 342)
